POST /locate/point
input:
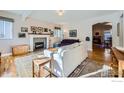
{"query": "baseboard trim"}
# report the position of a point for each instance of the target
(6, 54)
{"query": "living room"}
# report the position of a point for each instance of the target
(32, 34)
(64, 46)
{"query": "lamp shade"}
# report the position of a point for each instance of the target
(87, 38)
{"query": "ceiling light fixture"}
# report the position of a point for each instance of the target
(60, 12)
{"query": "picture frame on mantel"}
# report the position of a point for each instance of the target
(24, 29)
(73, 33)
(46, 30)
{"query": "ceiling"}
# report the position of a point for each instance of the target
(68, 17)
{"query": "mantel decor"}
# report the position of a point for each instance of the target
(24, 29)
(39, 30)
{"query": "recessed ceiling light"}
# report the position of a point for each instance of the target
(60, 12)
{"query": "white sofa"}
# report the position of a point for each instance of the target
(68, 58)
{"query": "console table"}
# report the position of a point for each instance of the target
(119, 56)
(0, 63)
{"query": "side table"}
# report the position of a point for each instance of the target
(0, 63)
(40, 62)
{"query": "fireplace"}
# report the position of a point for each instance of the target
(39, 42)
(39, 45)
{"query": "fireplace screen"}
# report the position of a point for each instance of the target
(39, 45)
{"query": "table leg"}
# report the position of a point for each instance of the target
(50, 68)
(120, 70)
(33, 68)
(39, 71)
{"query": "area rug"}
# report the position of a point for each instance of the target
(24, 64)
(90, 68)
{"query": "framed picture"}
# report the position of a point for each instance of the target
(45, 29)
(24, 29)
(58, 28)
(33, 28)
(40, 29)
(21, 35)
(118, 29)
(73, 33)
(51, 32)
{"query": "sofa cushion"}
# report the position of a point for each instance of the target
(68, 41)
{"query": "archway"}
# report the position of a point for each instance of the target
(102, 35)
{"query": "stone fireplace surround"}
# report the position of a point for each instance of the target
(45, 38)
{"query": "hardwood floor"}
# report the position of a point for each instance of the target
(99, 55)
(7, 67)
(103, 56)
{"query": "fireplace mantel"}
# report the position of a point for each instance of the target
(31, 36)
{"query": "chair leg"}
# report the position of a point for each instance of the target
(51, 69)
(33, 69)
(120, 70)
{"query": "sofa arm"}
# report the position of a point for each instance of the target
(56, 56)
(58, 65)
(58, 59)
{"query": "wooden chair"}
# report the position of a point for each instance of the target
(41, 62)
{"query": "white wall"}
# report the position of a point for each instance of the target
(68, 27)
(85, 28)
(6, 45)
(123, 28)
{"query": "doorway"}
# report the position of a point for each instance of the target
(102, 35)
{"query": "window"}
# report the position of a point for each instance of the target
(58, 33)
(6, 28)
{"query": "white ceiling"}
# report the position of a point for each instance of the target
(68, 17)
